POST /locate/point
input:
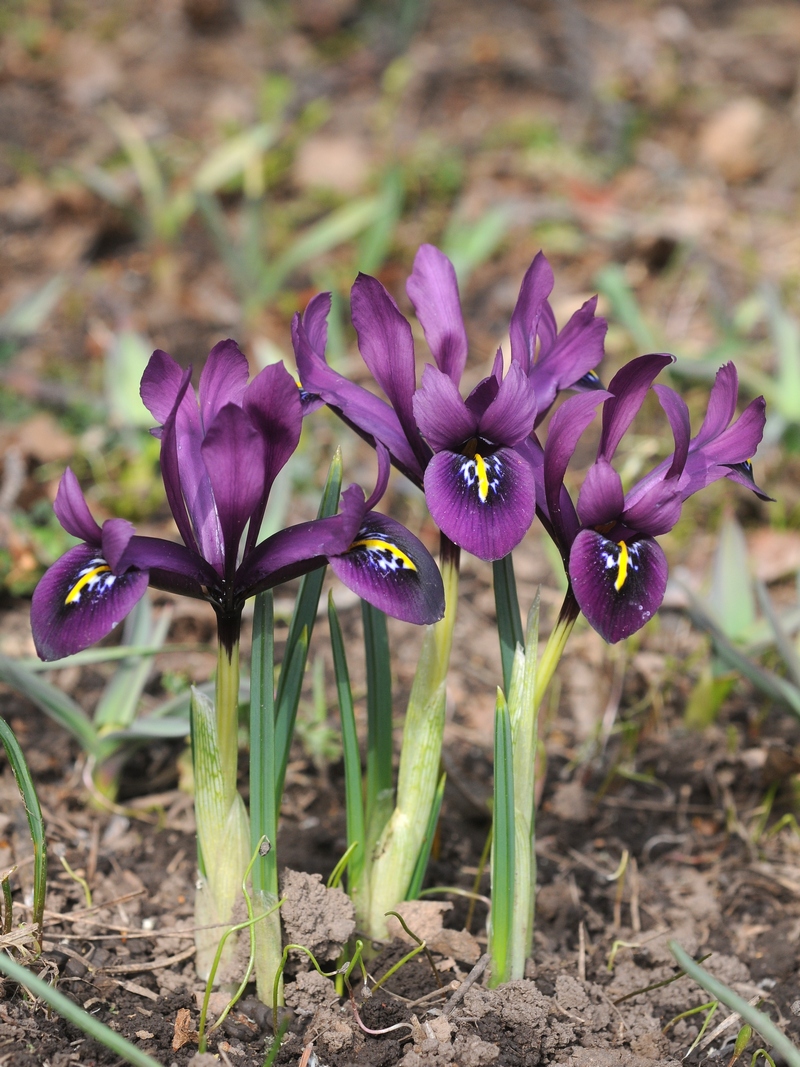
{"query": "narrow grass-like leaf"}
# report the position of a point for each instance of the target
(120, 699)
(523, 717)
(786, 339)
(148, 173)
(376, 241)
(334, 229)
(291, 674)
(231, 158)
(125, 360)
(470, 244)
(53, 702)
(353, 780)
(263, 807)
(70, 1011)
(424, 856)
(509, 620)
(767, 681)
(613, 285)
(214, 218)
(503, 846)
(223, 834)
(336, 875)
(290, 679)
(783, 642)
(757, 1019)
(151, 729)
(33, 812)
(106, 654)
(731, 597)
(379, 721)
(27, 316)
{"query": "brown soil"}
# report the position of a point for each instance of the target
(698, 872)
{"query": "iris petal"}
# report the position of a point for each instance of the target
(433, 290)
(299, 549)
(485, 504)
(72, 511)
(566, 359)
(273, 402)
(618, 585)
(223, 380)
(392, 570)
(441, 414)
(386, 344)
(80, 600)
(371, 417)
(160, 385)
(534, 291)
(628, 387)
(233, 452)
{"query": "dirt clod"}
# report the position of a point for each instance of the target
(320, 919)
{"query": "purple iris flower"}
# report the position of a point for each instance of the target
(220, 454)
(617, 570)
(554, 360)
(465, 454)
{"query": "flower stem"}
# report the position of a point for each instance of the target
(556, 643)
(227, 710)
(404, 835)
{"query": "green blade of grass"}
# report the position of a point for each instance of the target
(151, 729)
(300, 629)
(335, 229)
(731, 597)
(468, 245)
(264, 799)
(352, 757)
(376, 241)
(786, 339)
(33, 812)
(509, 621)
(120, 699)
(415, 885)
(263, 809)
(143, 161)
(70, 1011)
(757, 1019)
(231, 158)
(613, 284)
(106, 654)
(783, 641)
(767, 681)
(503, 846)
(57, 705)
(379, 721)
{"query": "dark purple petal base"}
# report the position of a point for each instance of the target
(484, 504)
(619, 586)
(80, 600)
(392, 570)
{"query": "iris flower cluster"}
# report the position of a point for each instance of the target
(486, 469)
(221, 451)
(467, 454)
(479, 460)
(617, 570)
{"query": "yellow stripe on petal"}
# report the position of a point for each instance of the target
(622, 565)
(89, 577)
(483, 477)
(377, 544)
